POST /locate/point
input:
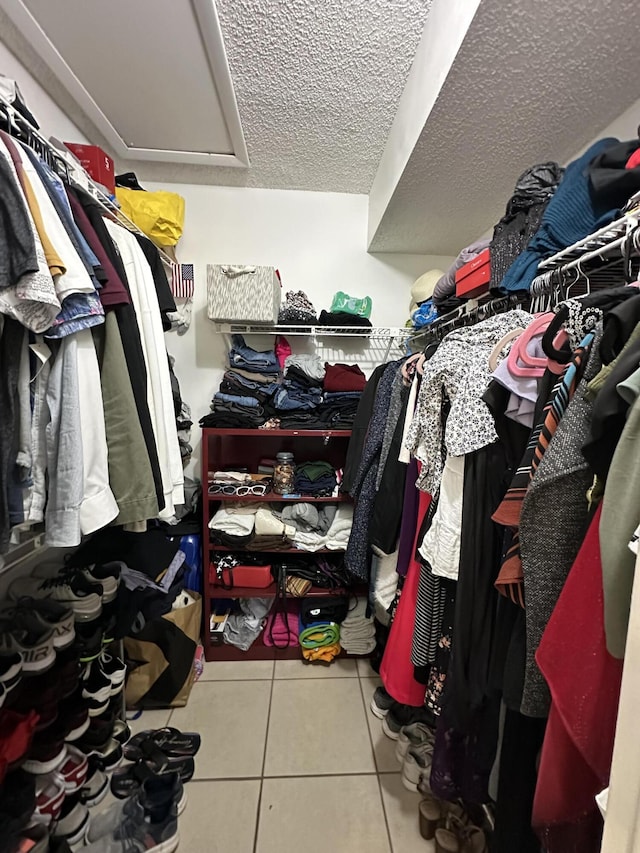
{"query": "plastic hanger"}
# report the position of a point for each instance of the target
(495, 352)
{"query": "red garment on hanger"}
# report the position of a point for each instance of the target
(584, 680)
(396, 669)
(634, 160)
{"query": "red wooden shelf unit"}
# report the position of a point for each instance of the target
(225, 448)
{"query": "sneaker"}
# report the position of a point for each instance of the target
(413, 735)
(381, 702)
(50, 795)
(10, 672)
(97, 689)
(53, 614)
(141, 832)
(108, 575)
(121, 731)
(107, 756)
(154, 797)
(48, 751)
(72, 773)
(96, 786)
(89, 640)
(127, 780)
(114, 668)
(42, 696)
(400, 716)
(73, 823)
(74, 591)
(75, 714)
(417, 763)
(28, 635)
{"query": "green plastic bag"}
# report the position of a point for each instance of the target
(352, 305)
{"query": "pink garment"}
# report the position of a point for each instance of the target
(396, 669)
(281, 629)
(584, 680)
(282, 350)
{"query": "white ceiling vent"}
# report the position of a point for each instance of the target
(135, 57)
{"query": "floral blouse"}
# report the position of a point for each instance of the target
(459, 373)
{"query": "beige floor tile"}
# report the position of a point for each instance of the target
(342, 814)
(231, 716)
(341, 668)
(220, 817)
(317, 726)
(364, 668)
(383, 747)
(150, 720)
(401, 807)
(232, 670)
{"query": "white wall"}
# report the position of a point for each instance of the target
(316, 240)
(52, 121)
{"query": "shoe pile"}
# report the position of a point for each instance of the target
(413, 729)
(60, 698)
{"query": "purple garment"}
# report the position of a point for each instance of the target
(446, 286)
(409, 519)
(524, 389)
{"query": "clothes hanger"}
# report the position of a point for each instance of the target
(495, 352)
(406, 379)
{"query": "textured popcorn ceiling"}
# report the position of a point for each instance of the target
(318, 84)
(531, 82)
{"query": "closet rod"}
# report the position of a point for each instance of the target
(15, 119)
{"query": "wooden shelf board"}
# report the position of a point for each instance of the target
(275, 433)
(273, 497)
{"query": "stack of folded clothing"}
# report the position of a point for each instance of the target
(320, 642)
(357, 632)
(317, 479)
(297, 310)
(343, 320)
(311, 524)
(337, 536)
(233, 524)
(246, 388)
(343, 386)
(301, 388)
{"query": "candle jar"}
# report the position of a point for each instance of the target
(284, 474)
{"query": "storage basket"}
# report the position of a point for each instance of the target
(241, 294)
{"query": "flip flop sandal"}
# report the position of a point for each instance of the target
(127, 780)
(170, 741)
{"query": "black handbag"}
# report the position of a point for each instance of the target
(332, 608)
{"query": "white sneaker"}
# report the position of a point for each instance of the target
(73, 592)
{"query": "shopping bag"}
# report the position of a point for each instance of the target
(160, 214)
(160, 658)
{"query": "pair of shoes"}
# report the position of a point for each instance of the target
(28, 633)
(399, 716)
(96, 785)
(435, 814)
(10, 675)
(147, 821)
(157, 798)
(416, 742)
(459, 837)
(156, 753)
(103, 679)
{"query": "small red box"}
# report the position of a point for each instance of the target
(473, 278)
(98, 164)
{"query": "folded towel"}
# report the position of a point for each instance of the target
(281, 629)
(319, 634)
(323, 654)
(233, 524)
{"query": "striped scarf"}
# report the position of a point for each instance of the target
(510, 580)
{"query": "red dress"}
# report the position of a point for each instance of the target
(584, 680)
(396, 669)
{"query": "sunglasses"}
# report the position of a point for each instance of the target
(239, 491)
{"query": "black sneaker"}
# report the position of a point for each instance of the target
(96, 689)
(404, 715)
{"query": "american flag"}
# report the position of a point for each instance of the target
(182, 281)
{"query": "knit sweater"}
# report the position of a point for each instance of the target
(571, 214)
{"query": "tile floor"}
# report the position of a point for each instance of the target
(291, 758)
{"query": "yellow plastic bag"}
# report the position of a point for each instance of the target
(160, 215)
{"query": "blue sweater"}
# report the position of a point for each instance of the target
(569, 216)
